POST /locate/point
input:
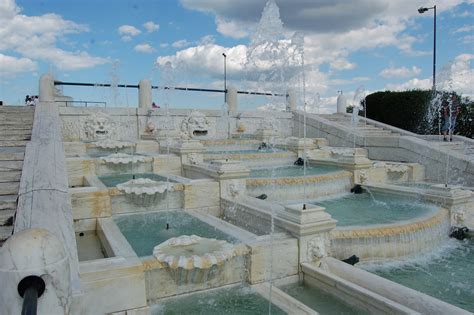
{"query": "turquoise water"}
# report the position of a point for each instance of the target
(146, 230)
(235, 300)
(292, 171)
(114, 180)
(447, 275)
(366, 209)
(319, 300)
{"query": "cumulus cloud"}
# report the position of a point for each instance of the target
(181, 43)
(402, 72)
(464, 29)
(455, 76)
(35, 38)
(151, 27)
(127, 32)
(11, 65)
(144, 48)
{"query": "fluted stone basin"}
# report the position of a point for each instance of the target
(194, 259)
(144, 191)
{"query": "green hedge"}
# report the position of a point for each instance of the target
(414, 111)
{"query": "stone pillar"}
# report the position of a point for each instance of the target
(341, 104)
(144, 94)
(291, 100)
(311, 225)
(231, 99)
(38, 253)
(46, 88)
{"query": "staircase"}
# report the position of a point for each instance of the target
(16, 123)
(362, 128)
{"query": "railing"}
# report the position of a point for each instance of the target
(71, 103)
(135, 86)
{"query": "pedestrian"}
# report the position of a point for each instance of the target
(153, 105)
(451, 109)
(36, 101)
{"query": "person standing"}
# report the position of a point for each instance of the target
(451, 109)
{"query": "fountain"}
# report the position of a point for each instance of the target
(144, 191)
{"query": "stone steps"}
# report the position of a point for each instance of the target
(15, 137)
(7, 202)
(16, 132)
(6, 217)
(9, 188)
(9, 143)
(7, 166)
(10, 176)
(12, 153)
(5, 232)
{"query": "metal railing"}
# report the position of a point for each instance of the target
(135, 86)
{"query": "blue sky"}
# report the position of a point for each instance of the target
(377, 44)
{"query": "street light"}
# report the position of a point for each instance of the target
(421, 11)
(225, 77)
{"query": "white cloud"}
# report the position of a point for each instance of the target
(11, 65)
(402, 72)
(127, 32)
(144, 48)
(35, 37)
(342, 64)
(164, 45)
(206, 40)
(151, 27)
(232, 29)
(456, 76)
(181, 43)
(464, 29)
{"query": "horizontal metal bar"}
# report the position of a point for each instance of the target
(135, 86)
(164, 88)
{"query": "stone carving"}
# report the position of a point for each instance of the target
(193, 158)
(150, 128)
(144, 191)
(458, 217)
(316, 249)
(363, 177)
(122, 158)
(240, 127)
(195, 125)
(99, 126)
(236, 188)
(194, 259)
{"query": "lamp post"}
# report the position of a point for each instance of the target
(225, 77)
(421, 11)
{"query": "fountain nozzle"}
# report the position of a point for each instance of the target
(167, 226)
(133, 176)
(304, 206)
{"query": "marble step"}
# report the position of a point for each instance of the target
(7, 143)
(8, 202)
(12, 153)
(5, 233)
(5, 216)
(7, 166)
(13, 109)
(15, 137)
(17, 132)
(10, 176)
(15, 127)
(9, 188)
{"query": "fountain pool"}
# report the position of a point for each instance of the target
(445, 274)
(146, 230)
(319, 300)
(292, 171)
(373, 208)
(233, 300)
(114, 180)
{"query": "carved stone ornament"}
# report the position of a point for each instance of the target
(316, 249)
(195, 125)
(99, 126)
